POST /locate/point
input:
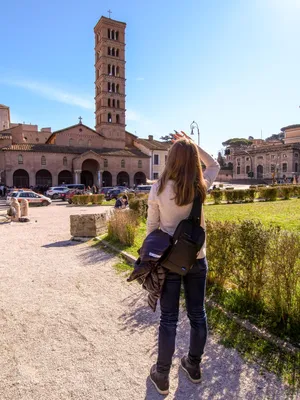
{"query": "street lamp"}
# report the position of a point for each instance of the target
(252, 172)
(195, 125)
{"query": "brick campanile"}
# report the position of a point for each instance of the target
(110, 79)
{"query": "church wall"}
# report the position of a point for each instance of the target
(83, 138)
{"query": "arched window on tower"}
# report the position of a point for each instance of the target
(113, 87)
(65, 161)
(117, 53)
(109, 69)
(113, 52)
(117, 35)
(108, 102)
(113, 35)
(108, 87)
(108, 33)
(43, 160)
(118, 71)
(118, 103)
(117, 88)
(105, 163)
(114, 103)
(20, 159)
(122, 163)
(109, 119)
(108, 51)
(113, 70)
(117, 118)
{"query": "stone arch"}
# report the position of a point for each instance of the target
(123, 179)
(65, 176)
(89, 171)
(43, 178)
(21, 178)
(139, 178)
(106, 179)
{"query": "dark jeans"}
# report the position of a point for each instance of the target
(194, 289)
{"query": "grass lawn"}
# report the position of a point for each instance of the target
(284, 213)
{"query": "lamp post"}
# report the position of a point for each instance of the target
(251, 163)
(195, 125)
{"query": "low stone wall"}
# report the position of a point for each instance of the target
(88, 225)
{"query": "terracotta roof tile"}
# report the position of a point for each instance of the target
(52, 148)
(290, 127)
(154, 144)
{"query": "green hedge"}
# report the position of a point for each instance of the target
(84, 199)
(140, 206)
(262, 264)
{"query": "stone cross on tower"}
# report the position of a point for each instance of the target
(109, 12)
(80, 120)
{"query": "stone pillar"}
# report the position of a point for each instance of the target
(24, 208)
(99, 179)
(77, 173)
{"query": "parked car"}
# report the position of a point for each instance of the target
(105, 189)
(114, 193)
(32, 197)
(78, 186)
(55, 192)
(143, 188)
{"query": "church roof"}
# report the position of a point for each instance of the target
(52, 148)
(154, 144)
(3, 106)
(70, 127)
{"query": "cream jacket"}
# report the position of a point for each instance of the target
(163, 213)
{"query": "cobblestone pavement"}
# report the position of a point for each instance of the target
(72, 328)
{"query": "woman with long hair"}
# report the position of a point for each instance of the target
(170, 201)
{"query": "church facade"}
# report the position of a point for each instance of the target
(104, 156)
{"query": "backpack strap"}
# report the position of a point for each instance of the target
(196, 209)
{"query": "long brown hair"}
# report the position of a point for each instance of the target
(184, 168)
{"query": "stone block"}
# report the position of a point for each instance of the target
(88, 225)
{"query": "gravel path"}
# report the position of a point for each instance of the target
(71, 328)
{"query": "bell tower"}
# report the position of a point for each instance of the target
(110, 80)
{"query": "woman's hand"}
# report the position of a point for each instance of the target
(181, 135)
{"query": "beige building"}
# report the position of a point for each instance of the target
(268, 159)
(106, 156)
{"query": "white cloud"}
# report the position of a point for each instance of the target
(52, 93)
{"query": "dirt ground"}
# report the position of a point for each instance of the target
(72, 328)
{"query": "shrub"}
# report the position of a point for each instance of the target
(229, 195)
(285, 192)
(130, 196)
(81, 199)
(221, 185)
(261, 265)
(122, 226)
(140, 206)
(96, 199)
(269, 194)
(283, 288)
(250, 195)
(252, 187)
(217, 195)
(238, 195)
(141, 195)
(221, 250)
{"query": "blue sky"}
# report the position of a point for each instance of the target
(232, 66)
